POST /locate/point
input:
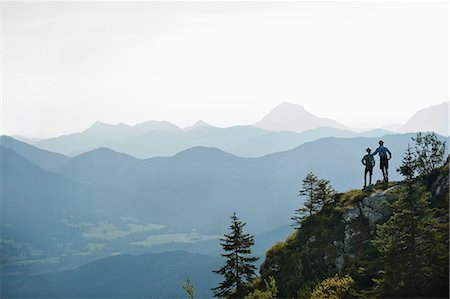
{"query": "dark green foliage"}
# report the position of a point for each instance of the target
(238, 269)
(318, 192)
(413, 243)
(308, 255)
(324, 192)
(408, 166)
(188, 288)
(333, 288)
(429, 152)
(308, 189)
(270, 292)
(407, 256)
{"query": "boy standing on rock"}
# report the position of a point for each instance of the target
(384, 164)
(369, 162)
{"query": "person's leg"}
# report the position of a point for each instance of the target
(384, 175)
(365, 178)
(387, 175)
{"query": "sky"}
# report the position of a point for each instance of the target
(68, 64)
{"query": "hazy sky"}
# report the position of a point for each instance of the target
(364, 64)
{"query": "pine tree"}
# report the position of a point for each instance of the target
(188, 288)
(238, 269)
(317, 192)
(324, 192)
(308, 189)
(429, 152)
(412, 242)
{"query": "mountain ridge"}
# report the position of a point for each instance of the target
(45, 159)
(434, 118)
(292, 117)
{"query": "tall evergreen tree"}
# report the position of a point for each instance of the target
(324, 192)
(238, 269)
(188, 287)
(413, 243)
(317, 193)
(308, 190)
(429, 152)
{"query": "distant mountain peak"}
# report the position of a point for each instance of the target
(434, 118)
(102, 157)
(198, 124)
(100, 126)
(203, 152)
(289, 105)
(161, 125)
(288, 116)
(102, 153)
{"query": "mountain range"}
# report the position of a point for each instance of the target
(243, 141)
(103, 202)
(284, 128)
(155, 187)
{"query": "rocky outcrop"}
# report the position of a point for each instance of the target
(373, 207)
(363, 217)
(339, 237)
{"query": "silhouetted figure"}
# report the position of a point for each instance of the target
(384, 164)
(369, 162)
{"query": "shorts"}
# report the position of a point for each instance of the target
(368, 170)
(384, 163)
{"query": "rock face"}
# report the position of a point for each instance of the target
(440, 184)
(329, 241)
(361, 219)
(374, 208)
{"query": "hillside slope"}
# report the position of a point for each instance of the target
(105, 202)
(158, 275)
(338, 240)
(44, 159)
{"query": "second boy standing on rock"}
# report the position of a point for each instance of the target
(369, 162)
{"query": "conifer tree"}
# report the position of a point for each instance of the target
(324, 192)
(429, 152)
(308, 189)
(238, 269)
(317, 192)
(189, 288)
(412, 243)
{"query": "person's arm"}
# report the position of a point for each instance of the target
(389, 152)
(375, 152)
(363, 160)
(373, 162)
